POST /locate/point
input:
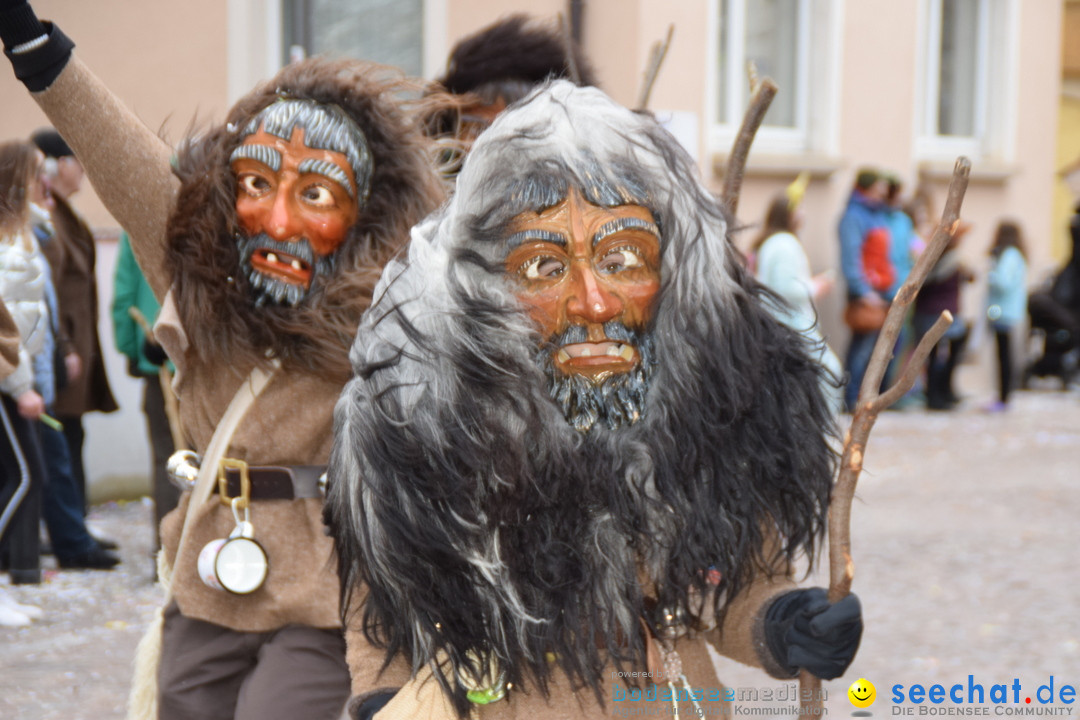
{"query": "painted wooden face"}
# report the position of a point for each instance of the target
(582, 264)
(293, 194)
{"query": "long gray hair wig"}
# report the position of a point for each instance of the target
(484, 526)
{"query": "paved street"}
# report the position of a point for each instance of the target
(964, 534)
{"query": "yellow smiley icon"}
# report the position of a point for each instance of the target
(862, 693)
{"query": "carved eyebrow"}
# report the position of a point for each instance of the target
(620, 224)
(533, 235)
(328, 170)
(264, 154)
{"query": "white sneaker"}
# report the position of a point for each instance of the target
(12, 618)
(30, 611)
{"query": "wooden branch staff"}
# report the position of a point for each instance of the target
(656, 58)
(172, 407)
(568, 49)
(762, 94)
(871, 403)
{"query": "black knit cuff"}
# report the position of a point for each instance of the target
(38, 68)
(365, 706)
(778, 619)
(19, 25)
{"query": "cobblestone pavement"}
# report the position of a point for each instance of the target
(964, 537)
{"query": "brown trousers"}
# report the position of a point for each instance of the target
(210, 672)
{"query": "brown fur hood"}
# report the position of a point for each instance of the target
(214, 298)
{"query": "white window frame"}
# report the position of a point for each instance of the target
(817, 81)
(255, 40)
(254, 44)
(997, 53)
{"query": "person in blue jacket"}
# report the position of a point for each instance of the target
(867, 269)
(1006, 301)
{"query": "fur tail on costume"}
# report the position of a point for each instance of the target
(143, 699)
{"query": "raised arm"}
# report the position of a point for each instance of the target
(128, 165)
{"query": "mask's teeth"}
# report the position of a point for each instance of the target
(614, 350)
(271, 258)
(626, 352)
(296, 265)
(563, 356)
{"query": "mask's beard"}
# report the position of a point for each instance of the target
(618, 400)
(270, 289)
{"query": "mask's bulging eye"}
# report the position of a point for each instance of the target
(541, 267)
(254, 185)
(623, 258)
(318, 196)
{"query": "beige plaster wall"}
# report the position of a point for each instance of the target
(169, 62)
(166, 60)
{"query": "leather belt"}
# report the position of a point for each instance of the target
(272, 482)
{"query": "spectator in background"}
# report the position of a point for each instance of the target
(145, 358)
(22, 289)
(780, 264)
(904, 241)
(15, 480)
(72, 259)
(867, 270)
(26, 277)
(1006, 302)
(940, 292)
(904, 247)
(1054, 308)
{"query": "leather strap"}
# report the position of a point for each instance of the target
(269, 482)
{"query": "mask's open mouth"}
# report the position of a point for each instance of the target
(592, 358)
(282, 266)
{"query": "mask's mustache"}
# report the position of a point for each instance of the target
(300, 248)
(613, 330)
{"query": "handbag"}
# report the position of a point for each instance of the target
(864, 317)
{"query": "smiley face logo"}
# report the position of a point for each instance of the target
(862, 693)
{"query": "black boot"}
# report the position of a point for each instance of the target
(935, 383)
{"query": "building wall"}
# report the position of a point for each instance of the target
(1068, 140)
(175, 63)
(168, 62)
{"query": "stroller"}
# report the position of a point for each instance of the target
(1055, 321)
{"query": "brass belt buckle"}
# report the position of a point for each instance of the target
(223, 483)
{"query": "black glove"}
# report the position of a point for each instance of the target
(153, 352)
(36, 68)
(18, 23)
(804, 631)
(371, 704)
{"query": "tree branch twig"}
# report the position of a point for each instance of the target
(652, 70)
(762, 97)
(568, 49)
(871, 403)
